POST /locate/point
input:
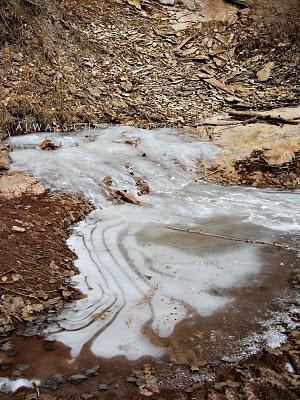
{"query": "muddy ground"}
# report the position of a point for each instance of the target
(67, 65)
(36, 264)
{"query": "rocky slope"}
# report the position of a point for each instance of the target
(66, 63)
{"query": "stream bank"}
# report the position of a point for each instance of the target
(36, 264)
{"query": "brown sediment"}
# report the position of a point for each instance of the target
(208, 339)
(35, 262)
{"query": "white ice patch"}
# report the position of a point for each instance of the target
(273, 335)
(10, 385)
(136, 287)
(115, 268)
(166, 159)
(290, 368)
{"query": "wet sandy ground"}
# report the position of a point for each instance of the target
(195, 344)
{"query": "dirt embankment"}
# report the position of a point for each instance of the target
(36, 264)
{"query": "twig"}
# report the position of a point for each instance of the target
(274, 244)
(257, 116)
(214, 172)
(7, 272)
(20, 293)
(220, 85)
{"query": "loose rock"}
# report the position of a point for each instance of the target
(78, 378)
(264, 74)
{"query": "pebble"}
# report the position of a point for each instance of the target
(18, 229)
(131, 379)
(167, 2)
(17, 57)
(5, 162)
(103, 387)
(54, 382)
(58, 378)
(92, 371)
(77, 378)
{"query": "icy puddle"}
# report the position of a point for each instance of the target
(152, 287)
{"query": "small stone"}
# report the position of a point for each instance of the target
(92, 371)
(227, 359)
(18, 229)
(95, 92)
(77, 378)
(51, 385)
(167, 2)
(264, 73)
(103, 387)
(58, 378)
(228, 383)
(107, 180)
(131, 379)
(5, 162)
(17, 183)
(127, 86)
(48, 145)
(17, 57)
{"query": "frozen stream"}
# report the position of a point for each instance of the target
(140, 278)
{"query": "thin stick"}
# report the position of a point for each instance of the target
(267, 118)
(274, 244)
(20, 293)
(7, 272)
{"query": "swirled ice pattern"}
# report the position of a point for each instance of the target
(138, 283)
